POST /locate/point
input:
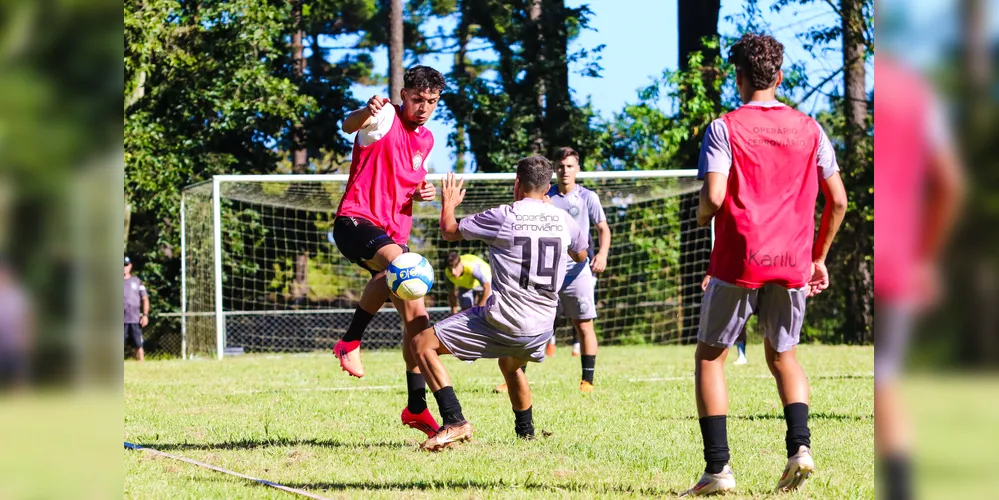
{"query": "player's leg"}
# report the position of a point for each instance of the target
(367, 245)
(588, 340)
(415, 320)
(740, 346)
(724, 310)
(577, 299)
(520, 395)
(781, 314)
(426, 348)
(892, 428)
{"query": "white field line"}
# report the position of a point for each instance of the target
(132, 446)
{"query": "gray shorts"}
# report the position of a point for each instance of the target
(726, 308)
(892, 330)
(470, 337)
(466, 298)
(576, 299)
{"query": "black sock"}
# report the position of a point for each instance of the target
(357, 325)
(449, 406)
(715, 437)
(796, 416)
(897, 481)
(523, 368)
(523, 423)
(417, 392)
(589, 362)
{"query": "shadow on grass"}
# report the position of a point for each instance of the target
(811, 416)
(250, 444)
(478, 484)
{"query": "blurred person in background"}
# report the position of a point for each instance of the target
(468, 274)
(919, 185)
(16, 330)
(135, 321)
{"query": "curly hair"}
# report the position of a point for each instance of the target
(534, 173)
(758, 57)
(423, 78)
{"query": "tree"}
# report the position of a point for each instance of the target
(857, 231)
(395, 50)
(697, 21)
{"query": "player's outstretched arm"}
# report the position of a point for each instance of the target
(452, 193)
(361, 118)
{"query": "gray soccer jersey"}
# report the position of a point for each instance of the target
(584, 207)
(134, 292)
(528, 243)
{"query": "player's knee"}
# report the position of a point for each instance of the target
(707, 353)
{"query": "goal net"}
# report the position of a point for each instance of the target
(261, 271)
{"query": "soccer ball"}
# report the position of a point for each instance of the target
(410, 276)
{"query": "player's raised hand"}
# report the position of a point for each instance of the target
(427, 192)
(376, 103)
(819, 280)
(452, 192)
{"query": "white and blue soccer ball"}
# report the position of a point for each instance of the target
(410, 276)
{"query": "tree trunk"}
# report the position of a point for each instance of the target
(859, 318)
(558, 102)
(980, 267)
(300, 157)
(696, 19)
(395, 50)
(460, 72)
(535, 44)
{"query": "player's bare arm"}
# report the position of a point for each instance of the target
(832, 216)
(452, 299)
(600, 259)
(712, 196)
(452, 193)
(487, 290)
(578, 257)
(361, 118)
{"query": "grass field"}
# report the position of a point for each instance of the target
(299, 421)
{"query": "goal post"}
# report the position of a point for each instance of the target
(261, 271)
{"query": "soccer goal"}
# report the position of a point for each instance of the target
(261, 271)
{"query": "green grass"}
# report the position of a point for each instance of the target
(299, 421)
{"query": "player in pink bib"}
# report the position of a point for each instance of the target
(763, 165)
(375, 216)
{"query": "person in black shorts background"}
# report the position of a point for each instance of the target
(135, 318)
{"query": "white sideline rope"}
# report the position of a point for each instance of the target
(133, 446)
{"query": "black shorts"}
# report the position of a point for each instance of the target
(358, 239)
(133, 335)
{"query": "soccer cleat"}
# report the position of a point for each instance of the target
(349, 354)
(423, 421)
(741, 360)
(550, 350)
(585, 386)
(799, 467)
(501, 389)
(713, 484)
(448, 435)
(575, 350)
